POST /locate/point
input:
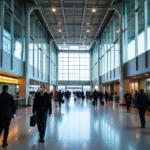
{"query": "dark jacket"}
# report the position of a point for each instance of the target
(95, 95)
(128, 97)
(7, 105)
(42, 103)
(142, 101)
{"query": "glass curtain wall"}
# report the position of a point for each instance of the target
(148, 19)
(136, 19)
(74, 66)
(109, 49)
(94, 62)
(53, 64)
(13, 32)
(38, 48)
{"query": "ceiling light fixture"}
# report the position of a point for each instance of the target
(53, 10)
(146, 74)
(93, 10)
(59, 30)
(88, 31)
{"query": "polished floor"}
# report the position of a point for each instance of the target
(80, 126)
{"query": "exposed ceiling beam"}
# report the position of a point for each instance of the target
(74, 25)
(72, 38)
(46, 23)
(75, 5)
(83, 18)
(101, 24)
(63, 12)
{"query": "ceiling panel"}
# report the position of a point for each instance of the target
(74, 19)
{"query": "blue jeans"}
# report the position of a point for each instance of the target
(41, 123)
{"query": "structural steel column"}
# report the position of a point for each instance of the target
(29, 9)
(98, 44)
(121, 62)
(118, 8)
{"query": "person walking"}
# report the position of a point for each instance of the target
(106, 96)
(100, 96)
(128, 99)
(42, 107)
(95, 97)
(7, 111)
(143, 103)
(56, 98)
(60, 97)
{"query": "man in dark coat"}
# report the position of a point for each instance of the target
(7, 111)
(106, 96)
(100, 96)
(60, 97)
(42, 107)
(95, 97)
(143, 103)
(128, 98)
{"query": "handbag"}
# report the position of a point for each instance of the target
(33, 120)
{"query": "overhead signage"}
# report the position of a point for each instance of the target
(9, 80)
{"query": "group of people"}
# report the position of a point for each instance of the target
(58, 97)
(141, 102)
(42, 107)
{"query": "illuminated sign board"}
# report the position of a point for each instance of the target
(10, 80)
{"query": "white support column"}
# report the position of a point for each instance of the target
(30, 7)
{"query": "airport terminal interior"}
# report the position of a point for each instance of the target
(77, 46)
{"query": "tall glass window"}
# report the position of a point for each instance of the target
(148, 25)
(141, 27)
(131, 28)
(7, 30)
(35, 56)
(31, 50)
(18, 40)
(74, 66)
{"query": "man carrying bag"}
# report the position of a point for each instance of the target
(42, 106)
(7, 111)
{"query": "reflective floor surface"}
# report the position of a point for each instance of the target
(80, 126)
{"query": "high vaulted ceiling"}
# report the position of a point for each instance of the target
(73, 21)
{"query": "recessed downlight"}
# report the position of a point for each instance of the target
(53, 10)
(93, 10)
